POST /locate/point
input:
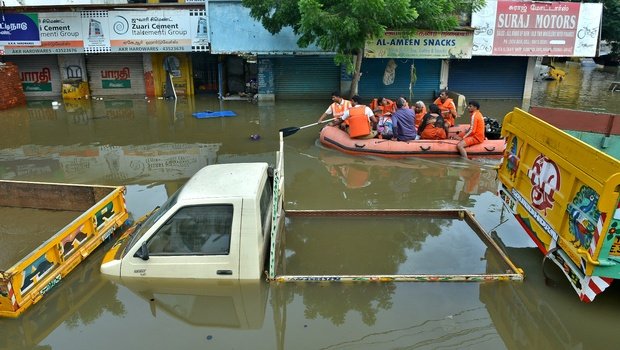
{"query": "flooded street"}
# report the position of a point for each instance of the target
(154, 146)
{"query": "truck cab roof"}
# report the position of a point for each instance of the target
(241, 180)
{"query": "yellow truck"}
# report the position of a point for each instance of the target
(72, 221)
(564, 193)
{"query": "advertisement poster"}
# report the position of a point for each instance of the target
(426, 44)
(19, 29)
(199, 30)
(96, 33)
(152, 31)
(524, 28)
(60, 32)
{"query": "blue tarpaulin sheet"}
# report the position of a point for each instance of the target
(214, 114)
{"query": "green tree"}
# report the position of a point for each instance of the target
(342, 26)
(611, 25)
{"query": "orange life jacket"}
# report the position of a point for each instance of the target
(445, 107)
(389, 108)
(431, 132)
(338, 109)
(359, 124)
(477, 126)
(419, 117)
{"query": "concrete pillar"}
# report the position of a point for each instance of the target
(529, 83)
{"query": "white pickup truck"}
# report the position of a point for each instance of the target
(226, 223)
(217, 226)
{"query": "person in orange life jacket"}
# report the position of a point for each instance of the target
(475, 133)
(360, 118)
(387, 106)
(447, 107)
(420, 111)
(433, 126)
(337, 108)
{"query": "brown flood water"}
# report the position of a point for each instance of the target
(153, 147)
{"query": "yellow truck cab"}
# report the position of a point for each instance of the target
(216, 226)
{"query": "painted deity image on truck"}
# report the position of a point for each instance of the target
(564, 193)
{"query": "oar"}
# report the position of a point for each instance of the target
(293, 129)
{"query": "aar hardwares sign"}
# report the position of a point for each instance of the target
(422, 44)
(524, 28)
(19, 29)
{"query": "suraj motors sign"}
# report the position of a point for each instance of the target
(524, 28)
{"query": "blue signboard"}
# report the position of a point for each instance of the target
(20, 29)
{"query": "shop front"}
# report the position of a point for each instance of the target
(121, 75)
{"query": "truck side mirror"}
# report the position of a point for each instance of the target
(143, 252)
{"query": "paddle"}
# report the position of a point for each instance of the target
(293, 129)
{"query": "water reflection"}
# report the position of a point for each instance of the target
(82, 300)
(541, 313)
(366, 182)
(585, 87)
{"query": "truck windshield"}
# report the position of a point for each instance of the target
(146, 225)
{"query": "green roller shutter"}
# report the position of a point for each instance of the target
(305, 77)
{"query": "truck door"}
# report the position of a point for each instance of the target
(197, 241)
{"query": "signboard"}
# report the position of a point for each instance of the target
(38, 80)
(19, 29)
(60, 32)
(427, 44)
(525, 28)
(152, 31)
(98, 31)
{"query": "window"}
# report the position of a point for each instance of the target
(265, 207)
(196, 230)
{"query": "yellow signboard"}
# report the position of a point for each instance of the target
(422, 44)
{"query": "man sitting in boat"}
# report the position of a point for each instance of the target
(337, 108)
(403, 121)
(433, 126)
(447, 107)
(359, 118)
(475, 133)
(420, 111)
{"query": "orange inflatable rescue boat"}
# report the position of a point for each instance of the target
(334, 137)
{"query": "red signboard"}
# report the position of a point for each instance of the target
(528, 28)
(536, 28)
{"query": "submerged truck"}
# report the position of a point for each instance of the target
(226, 223)
(46, 230)
(565, 194)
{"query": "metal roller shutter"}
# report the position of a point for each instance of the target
(40, 74)
(486, 77)
(428, 74)
(305, 77)
(115, 74)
